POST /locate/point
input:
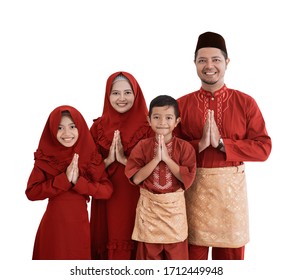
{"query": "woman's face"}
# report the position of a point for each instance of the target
(122, 96)
(67, 133)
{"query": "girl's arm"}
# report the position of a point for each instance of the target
(102, 189)
(40, 187)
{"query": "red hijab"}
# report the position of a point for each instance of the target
(132, 124)
(54, 158)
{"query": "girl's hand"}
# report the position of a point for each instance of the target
(72, 170)
(75, 174)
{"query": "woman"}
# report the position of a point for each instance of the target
(67, 170)
(122, 124)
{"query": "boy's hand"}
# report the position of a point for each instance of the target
(164, 152)
(158, 156)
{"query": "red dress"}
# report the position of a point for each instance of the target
(64, 231)
(112, 221)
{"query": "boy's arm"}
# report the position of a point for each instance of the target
(145, 171)
(173, 167)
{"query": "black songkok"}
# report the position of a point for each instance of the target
(211, 40)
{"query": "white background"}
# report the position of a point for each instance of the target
(61, 52)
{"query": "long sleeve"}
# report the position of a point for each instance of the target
(162, 180)
(99, 190)
(256, 145)
(187, 163)
(240, 123)
(135, 162)
(40, 187)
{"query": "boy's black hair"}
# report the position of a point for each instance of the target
(164, 100)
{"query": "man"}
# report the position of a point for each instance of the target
(226, 128)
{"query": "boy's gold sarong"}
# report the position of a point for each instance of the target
(160, 218)
(217, 208)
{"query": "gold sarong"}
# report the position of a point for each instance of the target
(217, 208)
(161, 218)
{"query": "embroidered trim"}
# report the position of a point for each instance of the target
(157, 179)
(221, 98)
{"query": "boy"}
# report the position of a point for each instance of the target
(163, 166)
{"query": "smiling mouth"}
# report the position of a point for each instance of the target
(67, 139)
(210, 73)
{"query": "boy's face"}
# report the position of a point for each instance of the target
(163, 121)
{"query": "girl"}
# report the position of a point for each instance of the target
(67, 170)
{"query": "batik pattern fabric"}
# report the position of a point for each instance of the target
(161, 218)
(242, 128)
(217, 208)
(161, 213)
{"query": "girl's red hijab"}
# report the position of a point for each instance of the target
(54, 158)
(131, 124)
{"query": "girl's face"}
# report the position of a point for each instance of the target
(67, 133)
(122, 96)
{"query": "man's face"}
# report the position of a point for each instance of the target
(211, 66)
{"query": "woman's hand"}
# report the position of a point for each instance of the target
(119, 149)
(112, 153)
